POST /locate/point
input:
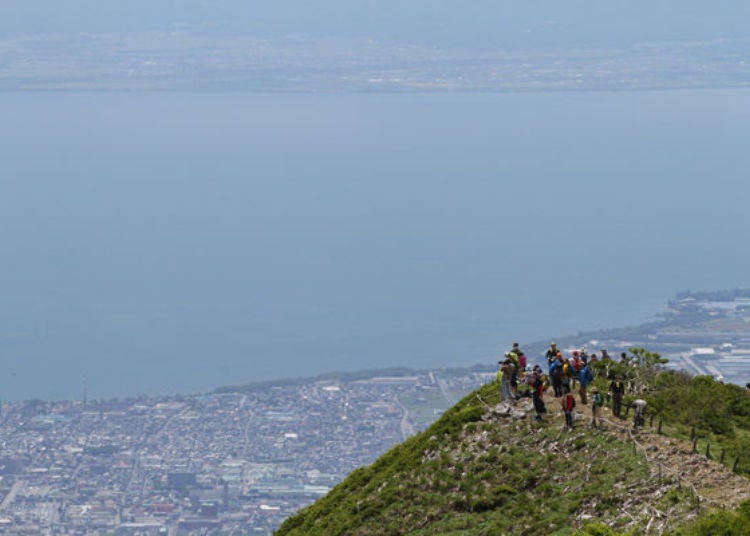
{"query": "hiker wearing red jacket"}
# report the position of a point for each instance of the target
(568, 403)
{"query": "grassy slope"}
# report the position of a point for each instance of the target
(466, 476)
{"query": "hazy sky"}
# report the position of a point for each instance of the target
(507, 23)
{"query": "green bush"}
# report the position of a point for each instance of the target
(724, 523)
(595, 529)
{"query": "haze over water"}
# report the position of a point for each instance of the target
(174, 242)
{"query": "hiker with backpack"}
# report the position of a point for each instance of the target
(568, 375)
(522, 363)
(555, 374)
(506, 371)
(597, 401)
(568, 403)
(617, 388)
(551, 355)
(585, 377)
(577, 364)
(536, 383)
(516, 362)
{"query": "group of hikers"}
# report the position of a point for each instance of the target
(563, 374)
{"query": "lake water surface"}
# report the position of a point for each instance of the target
(177, 242)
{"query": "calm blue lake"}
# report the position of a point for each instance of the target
(174, 242)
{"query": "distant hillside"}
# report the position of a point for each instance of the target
(487, 468)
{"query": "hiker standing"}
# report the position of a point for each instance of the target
(617, 388)
(516, 362)
(551, 355)
(577, 364)
(506, 371)
(597, 401)
(568, 375)
(585, 377)
(568, 403)
(639, 413)
(522, 363)
(536, 383)
(555, 374)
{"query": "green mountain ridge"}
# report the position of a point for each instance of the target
(487, 468)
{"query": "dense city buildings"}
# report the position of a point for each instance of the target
(235, 462)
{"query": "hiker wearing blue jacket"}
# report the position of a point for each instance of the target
(585, 377)
(555, 374)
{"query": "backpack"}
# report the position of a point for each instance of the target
(589, 375)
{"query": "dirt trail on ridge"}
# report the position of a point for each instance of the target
(715, 484)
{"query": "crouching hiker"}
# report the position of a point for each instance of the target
(568, 403)
(597, 401)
